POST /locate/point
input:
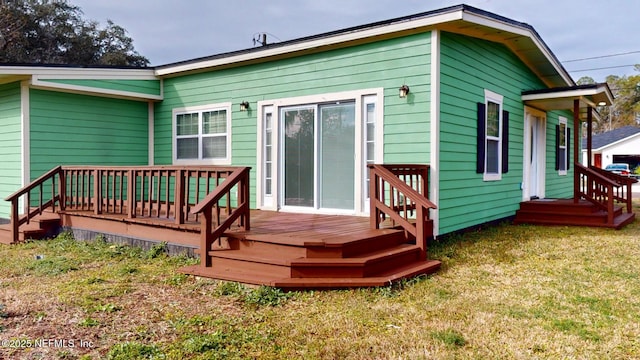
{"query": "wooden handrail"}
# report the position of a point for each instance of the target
(403, 201)
(619, 179)
(209, 204)
(57, 196)
(394, 181)
(35, 183)
(219, 191)
(623, 189)
(597, 189)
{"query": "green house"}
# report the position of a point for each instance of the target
(478, 97)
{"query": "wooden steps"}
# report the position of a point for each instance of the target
(359, 259)
(568, 212)
(42, 226)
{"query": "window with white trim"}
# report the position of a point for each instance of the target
(562, 158)
(268, 150)
(493, 149)
(202, 134)
(369, 127)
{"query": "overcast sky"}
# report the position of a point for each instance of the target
(167, 31)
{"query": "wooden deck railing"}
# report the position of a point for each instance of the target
(167, 192)
(400, 192)
(623, 191)
(597, 189)
(163, 192)
(43, 200)
(214, 225)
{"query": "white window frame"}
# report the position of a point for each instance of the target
(275, 105)
(201, 109)
(490, 96)
(268, 187)
(561, 171)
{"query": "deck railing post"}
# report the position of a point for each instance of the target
(62, 189)
(629, 197)
(610, 214)
(246, 199)
(421, 236)
(15, 225)
(131, 194)
(205, 237)
(374, 213)
(97, 191)
(179, 196)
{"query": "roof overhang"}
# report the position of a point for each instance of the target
(45, 76)
(588, 96)
(519, 37)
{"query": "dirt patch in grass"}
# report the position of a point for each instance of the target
(505, 292)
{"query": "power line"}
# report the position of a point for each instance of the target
(603, 68)
(604, 56)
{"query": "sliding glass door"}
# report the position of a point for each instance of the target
(298, 127)
(336, 156)
(318, 149)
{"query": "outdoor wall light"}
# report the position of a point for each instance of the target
(404, 91)
(602, 103)
(244, 106)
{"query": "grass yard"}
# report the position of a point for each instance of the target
(521, 292)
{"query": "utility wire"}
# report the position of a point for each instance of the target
(602, 68)
(603, 56)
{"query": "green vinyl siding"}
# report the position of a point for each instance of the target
(145, 87)
(10, 148)
(384, 64)
(468, 67)
(71, 129)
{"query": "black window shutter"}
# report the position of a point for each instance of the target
(557, 147)
(482, 138)
(505, 142)
(568, 148)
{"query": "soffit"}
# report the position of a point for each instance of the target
(588, 97)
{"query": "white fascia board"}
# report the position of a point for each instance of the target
(311, 44)
(79, 73)
(571, 94)
(38, 82)
(577, 93)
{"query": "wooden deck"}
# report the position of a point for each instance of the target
(285, 250)
(205, 209)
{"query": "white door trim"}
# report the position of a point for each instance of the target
(528, 187)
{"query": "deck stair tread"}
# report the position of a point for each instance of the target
(261, 278)
(243, 256)
(326, 239)
(361, 260)
(38, 227)
(385, 278)
(568, 212)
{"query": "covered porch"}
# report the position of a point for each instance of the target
(600, 198)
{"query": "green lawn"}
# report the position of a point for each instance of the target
(521, 292)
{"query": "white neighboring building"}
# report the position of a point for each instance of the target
(616, 146)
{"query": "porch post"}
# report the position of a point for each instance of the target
(589, 137)
(576, 149)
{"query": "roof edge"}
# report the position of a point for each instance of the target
(406, 23)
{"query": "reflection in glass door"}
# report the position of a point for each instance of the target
(298, 130)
